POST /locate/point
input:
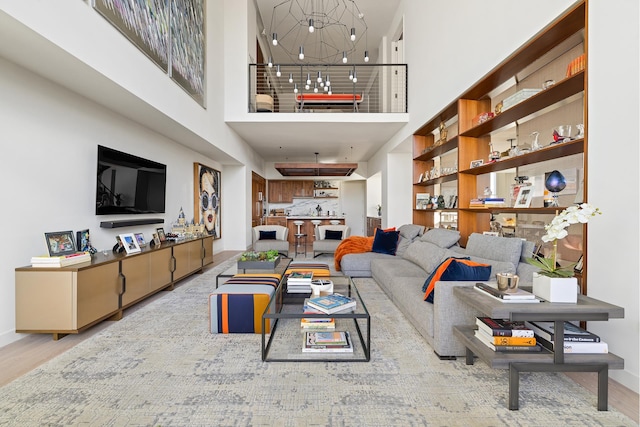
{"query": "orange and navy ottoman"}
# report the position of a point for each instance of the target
(237, 306)
(319, 269)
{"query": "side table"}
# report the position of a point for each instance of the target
(585, 309)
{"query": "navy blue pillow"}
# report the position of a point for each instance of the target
(385, 242)
(267, 235)
(333, 234)
(455, 269)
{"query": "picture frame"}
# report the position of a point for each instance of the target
(207, 199)
(420, 178)
(83, 241)
(161, 235)
(60, 243)
(129, 243)
(524, 197)
(476, 163)
(140, 238)
(156, 239)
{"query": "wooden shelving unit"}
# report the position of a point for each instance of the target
(545, 56)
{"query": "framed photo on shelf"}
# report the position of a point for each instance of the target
(83, 241)
(578, 267)
(161, 235)
(476, 163)
(140, 238)
(156, 240)
(524, 197)
(60, 243)
(420, 178)
(130, 243)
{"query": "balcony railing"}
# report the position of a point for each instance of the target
(320, 88)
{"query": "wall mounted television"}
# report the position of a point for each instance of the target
(128, 184)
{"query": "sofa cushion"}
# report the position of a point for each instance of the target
(385, 242)
(333, 234)
(267, 235)
(403, 244)
(496, 266)
(455, 270)
(426, 255)
(410, 231)
(495, 247)
(441, 237)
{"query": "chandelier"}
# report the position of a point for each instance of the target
(320, 31)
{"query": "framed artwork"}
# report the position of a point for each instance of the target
(161, 235)
(83, 241)
(130, 243)
(524, 197)
(476, 163)
(206, 199)
(60, 243)
(156, 239)
(140, 238)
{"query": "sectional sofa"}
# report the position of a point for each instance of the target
(403, 275)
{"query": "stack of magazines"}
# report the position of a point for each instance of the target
(327, 342)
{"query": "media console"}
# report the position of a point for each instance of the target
(68, 300)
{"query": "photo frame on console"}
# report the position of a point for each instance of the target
(60, 243)
(524, 197)
(129, 243)
(206, 199)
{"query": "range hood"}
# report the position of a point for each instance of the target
(316, 169)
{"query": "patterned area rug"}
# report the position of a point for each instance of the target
(160, 366)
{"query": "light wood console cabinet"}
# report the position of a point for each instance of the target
(68, 300)
(457, 142)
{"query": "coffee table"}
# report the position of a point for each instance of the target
(280, 268)
(284, 311)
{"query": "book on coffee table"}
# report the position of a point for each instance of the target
(333, 303)
(517, 296)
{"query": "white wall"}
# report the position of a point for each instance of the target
(613, 237)
(49, 132)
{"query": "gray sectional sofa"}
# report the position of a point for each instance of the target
(402, 277)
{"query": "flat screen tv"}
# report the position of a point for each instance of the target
(129, 184)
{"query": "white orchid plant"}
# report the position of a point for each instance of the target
(557, 230)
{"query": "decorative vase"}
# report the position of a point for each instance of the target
(555, 289)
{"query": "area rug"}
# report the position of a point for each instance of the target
(160, 366)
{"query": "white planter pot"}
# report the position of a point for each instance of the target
(555, 289)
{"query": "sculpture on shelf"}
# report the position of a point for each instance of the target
(555, 182)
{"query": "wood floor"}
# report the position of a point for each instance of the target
(20, 357)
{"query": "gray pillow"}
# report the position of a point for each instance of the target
(425, 255)
(403, 244)
(442, 237)
(410, 231)
(495, 247)
(527, 250)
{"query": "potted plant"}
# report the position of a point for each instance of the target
(552, 282)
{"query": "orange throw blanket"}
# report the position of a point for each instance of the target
(352, 245)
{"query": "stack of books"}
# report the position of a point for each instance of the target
(505, 336)
(576, 339)
(333, 303)
(316, 323)
(327, 342)
(46, 261)
(515, 296)
(487, 202)
(299, 282)
(494, 202)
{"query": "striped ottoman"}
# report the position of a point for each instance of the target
(319, 269)
(237, 306)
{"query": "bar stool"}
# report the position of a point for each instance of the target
(316, 223)
(299, 224)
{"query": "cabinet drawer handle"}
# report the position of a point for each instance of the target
(172, 268)
(123, 283)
